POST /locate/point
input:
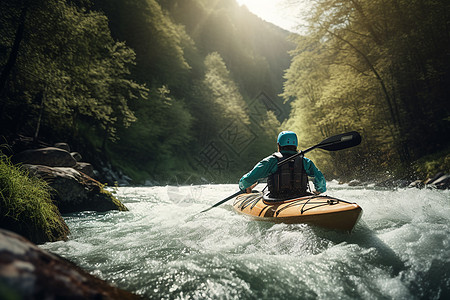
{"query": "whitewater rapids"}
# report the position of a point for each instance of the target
(162, 249)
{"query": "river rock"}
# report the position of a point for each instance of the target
(442, 182)
(417, 184)
(63, 146)
(354, 182)
(434, 178)
(76, 191)
(77, 156)
(49, 156)
(86, 168)
(28, 272)
(114, 177)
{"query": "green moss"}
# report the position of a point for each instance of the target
(26, 206)
(430, 165)
(116, 201)
(8, 293)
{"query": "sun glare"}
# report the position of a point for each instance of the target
(283, 13)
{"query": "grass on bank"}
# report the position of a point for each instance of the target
(26, 206)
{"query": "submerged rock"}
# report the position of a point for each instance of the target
(28, 272)
(75, 191)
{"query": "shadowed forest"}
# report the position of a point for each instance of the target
(187, 91)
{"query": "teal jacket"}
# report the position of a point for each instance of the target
(269, 166)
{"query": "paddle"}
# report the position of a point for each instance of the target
(334, 143)
(222, 201)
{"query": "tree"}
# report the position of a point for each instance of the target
(69, 66)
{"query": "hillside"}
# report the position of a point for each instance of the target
(160, 90)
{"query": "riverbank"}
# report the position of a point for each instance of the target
(26, 206)
(32, 198)
(41, 181)
(431, 171)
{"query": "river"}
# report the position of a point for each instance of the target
(161, 249)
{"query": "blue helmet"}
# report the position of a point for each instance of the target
(287, 138)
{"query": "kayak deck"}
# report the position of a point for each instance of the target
(317, 210)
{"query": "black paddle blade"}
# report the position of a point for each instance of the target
(341, 141)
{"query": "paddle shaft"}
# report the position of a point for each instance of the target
(222, 201)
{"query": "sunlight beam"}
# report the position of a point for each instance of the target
(287, 14)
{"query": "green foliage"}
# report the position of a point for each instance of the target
(225, 71)
(162, 131)
(378, 67)
(223, 92)
(146, 85)
(157, 40)
(428, 166)
(26, 206)
(69, 67)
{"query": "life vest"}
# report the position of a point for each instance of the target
(290, 179)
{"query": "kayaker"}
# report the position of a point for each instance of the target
(290, 179)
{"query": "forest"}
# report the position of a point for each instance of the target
(188, 91)
(382, 68)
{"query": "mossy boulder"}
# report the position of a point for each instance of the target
(26, 206)
(74, 191)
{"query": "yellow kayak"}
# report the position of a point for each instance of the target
(324, 211)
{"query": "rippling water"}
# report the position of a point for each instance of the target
(161, 250)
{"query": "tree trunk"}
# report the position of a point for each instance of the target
(15, 49)
(40, 95)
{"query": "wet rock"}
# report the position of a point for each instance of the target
(63, 146)
(86, 168)
(75, 191)
(417, 184)
(28, 272)
(442, 182)
(439, 181)
(393, 183)
(354, 182)
(114, 177)
(21, 143)
(49, 156)
(77, 156)
(434, 178)
(124, 180)
(57, 231)
(150, 182)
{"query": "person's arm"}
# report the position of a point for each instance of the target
(260, 170)
(311, 170)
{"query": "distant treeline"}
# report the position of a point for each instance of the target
(379, 67)
(160, 89)
(183, 89)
